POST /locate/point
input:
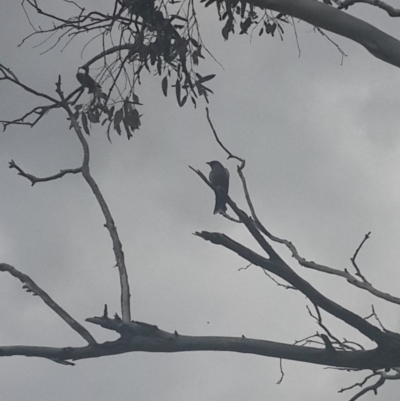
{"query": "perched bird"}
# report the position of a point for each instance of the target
(219, 179)
(87, 81)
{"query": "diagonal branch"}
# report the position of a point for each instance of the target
(283, 271)
(31, 286)
(7, 75)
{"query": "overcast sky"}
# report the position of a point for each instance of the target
(321, 143)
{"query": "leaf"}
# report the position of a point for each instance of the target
(227, 28)
(164, 85)
(270, 28)
(182, 103)
(111, 112)
(133, 120)
(261, 31)
(78, 107)
(209, 2)
(128, 131)
(206, 78)
(159, 65)
(135, 98)
(178, 91)
(153, 56)
(193, 101)
(194, 42)
(195, 58)
(245, 25)
(207, 89)
(93, 116)
(117, 120)
(85, 124)
(103, 96)
(102, 107)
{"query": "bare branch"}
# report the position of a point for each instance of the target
(8, 75)
(230, 155)
(34, 179)
(373, 387)
(139, 336)
(110, 224)
(353, 259)
(282, 270)
(31, 286)
(392, 12)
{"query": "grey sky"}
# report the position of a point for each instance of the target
(322, 150)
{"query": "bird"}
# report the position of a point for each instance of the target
(219, 179)
(87, 81)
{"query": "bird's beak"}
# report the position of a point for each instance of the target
(209, 163)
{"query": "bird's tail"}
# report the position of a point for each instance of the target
(220, 205)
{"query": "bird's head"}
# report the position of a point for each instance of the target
(213, 163)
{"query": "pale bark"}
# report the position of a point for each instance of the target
(377, 42)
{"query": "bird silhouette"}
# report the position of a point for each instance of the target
(219, 179)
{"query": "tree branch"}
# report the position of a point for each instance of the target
(110, 224)
(34, 179)
(377, 42)
(140, 338)
(283, 271)
(31, 286)
(392, 12)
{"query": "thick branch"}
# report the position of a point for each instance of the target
(286, 273)
(173, 342)
(378, 43)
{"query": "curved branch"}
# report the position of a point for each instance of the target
(392, 12)
(377, 42)
(33, 179)
(110, 224)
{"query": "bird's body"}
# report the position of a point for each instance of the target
(219, 179)
(88, 82)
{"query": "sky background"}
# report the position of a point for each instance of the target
(322, 148)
